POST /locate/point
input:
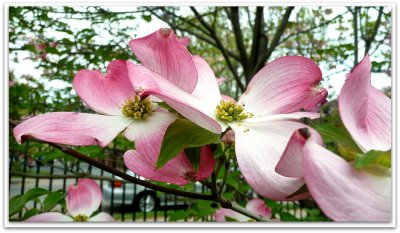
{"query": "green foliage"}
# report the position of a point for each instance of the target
(183, 134)
(346, 146)
(373, 157)
(52, 199)
(197, 210)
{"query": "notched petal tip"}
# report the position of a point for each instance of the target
(166, 32)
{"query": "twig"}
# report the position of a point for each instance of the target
(224, 203)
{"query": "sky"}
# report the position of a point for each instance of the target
(143, 28)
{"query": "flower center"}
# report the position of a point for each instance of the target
(137, 108)
(229, 111)
(81, 218)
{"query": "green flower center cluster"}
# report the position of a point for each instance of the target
(81, 218)
(229, 111)
(137, 108)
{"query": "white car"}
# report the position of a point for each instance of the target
(141, 198)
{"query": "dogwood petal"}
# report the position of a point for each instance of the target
(84, 198)
(221, 214)
(207, 88)
(69, 128)
(190, 106)
(178, 170)
(105, 94)
(206, 165)
(284, 117)
(342, 192)
(365, 111)
(155, 123)
(258, 206)
(285, 85)
(184, 41)
(255, 205)
(259, 147)
(50, 217)
(291, 162)
(102, 217)
(143, 163)
(164, 54)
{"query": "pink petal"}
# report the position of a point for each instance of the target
(143, 163)
(259, 147)
(220, 215)
(344, 193)
(207, 88)
(221, 80)
(285, 85)
(102, 217)
(184, 41)
(178, 170)
(228, 98)
(190, 106)
(50, 217)
(365, 111)
(228, 138)
(206, 165)
(258, 206)
(84, 198)
(164, 54)
(145, 128)
(284, 117)
(105, 94)
(255, 205)
(291, 163)
(78, 129)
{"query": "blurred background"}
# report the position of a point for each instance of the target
(49, 45)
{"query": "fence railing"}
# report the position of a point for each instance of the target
(124, 201)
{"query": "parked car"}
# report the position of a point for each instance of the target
(142, 199)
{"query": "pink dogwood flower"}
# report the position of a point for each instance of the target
(263, 119)
(119, 104)
(343, 192)
(121, 107)
(255, 205)
(82, 201)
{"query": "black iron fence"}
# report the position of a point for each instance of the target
(48, 169)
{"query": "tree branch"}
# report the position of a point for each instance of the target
(257, 36)
(220, 47)
(224, 203)
(234, 18)
(275, 39)
(355, 28)
(371, 38)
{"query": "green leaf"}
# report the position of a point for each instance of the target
(180, 214)
(34, 193)
(146, 18)
(183, 134)
(193, 155)
(16, 204)
(51, 200)
(30, 213)
(338, 133)
(288, 217)
(229, 219)
(373, 157)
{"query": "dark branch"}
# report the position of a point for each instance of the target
(233, 15)
(275, 39)
(371, 38)
(220, 47)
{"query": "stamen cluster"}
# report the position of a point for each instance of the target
(230, 111)
(81, 218)
(137, 108)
